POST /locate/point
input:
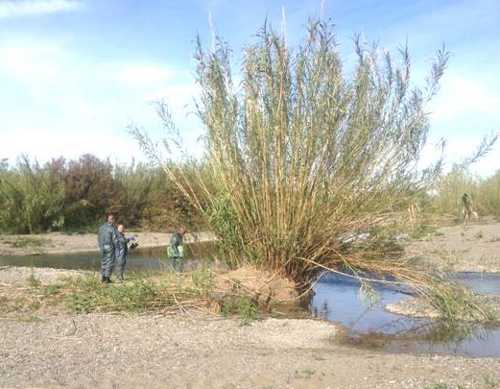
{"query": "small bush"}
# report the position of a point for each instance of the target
(203, 280)
(242, 306)
(52, 289)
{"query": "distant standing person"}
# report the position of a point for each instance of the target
(176, 249)
(468, 208)
(107, 240)
(121, 251)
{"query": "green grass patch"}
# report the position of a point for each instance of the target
(137, 294)
(89, 295)
(491, 382)
(141, 292)
(438, 386)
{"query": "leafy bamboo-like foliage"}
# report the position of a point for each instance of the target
(302, 151)
(31, 198)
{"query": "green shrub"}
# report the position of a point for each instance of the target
(31, 197)
(75, 195)
(485, 193)
(242, 306)
(137, 295)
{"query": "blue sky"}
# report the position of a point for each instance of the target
(75, 73)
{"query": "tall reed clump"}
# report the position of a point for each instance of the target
(302, 152)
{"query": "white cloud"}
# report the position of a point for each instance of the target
(142, 74)
(17, 8)
(466, 110)
(46, 144)
(72, 105)
(37, 62)
(459, 148)
(31, 64)
(461, 95)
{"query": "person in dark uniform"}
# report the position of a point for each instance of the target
(107, 241)
(121, 252)
(468, 208)
(176, 249)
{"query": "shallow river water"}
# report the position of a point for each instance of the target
(139, 259)
(337, 298)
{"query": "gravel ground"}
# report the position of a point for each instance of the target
(198, 351)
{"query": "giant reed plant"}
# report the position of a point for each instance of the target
(303, 151)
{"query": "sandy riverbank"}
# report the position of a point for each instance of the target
(417, 307)
(452, 248)
(58, 243)
(475, 248)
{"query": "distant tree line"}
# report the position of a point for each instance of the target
(450, 187)
(75, 194)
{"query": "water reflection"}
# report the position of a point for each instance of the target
(154, 258)
(367, 323)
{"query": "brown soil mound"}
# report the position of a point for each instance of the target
(264, 285)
